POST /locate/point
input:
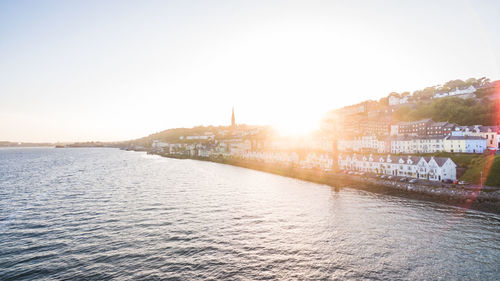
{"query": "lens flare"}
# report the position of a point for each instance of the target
(496, 96)
(486, 169)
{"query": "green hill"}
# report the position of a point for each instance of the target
(470, 111)
(489, 165)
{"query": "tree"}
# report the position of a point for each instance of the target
(454, 84)
(471, 81)
(384, 101)
(394, 94)
(452, 109)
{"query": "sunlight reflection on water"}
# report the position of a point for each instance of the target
(106, 213)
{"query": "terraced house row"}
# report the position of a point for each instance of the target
(432, 144)
(462, 139)
(428, 168)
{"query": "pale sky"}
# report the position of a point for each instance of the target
(117, 70)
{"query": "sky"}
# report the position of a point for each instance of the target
(118, 70)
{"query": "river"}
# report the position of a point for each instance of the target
(99, 214)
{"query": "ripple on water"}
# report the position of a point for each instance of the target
(98, 214)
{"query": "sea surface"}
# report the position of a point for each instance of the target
(100, 214)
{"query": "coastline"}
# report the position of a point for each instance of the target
(475, 199)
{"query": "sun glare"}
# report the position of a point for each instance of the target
(297, 126)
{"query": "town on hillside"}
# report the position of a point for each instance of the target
(429, 135)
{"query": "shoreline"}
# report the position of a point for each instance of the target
(467, 199)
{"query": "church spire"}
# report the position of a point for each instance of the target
(233, 121)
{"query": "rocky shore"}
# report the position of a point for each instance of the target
(467, 198)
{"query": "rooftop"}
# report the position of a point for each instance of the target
(408, 138)
(465, 138)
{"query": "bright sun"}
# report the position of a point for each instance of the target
(299, 125)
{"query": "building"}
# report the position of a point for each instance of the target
(321, 161)
(458, 91)
(396, 100)
(375, 126)
(415, 128)
(204, 152)
(440, 129)
(238, 146)
(160, 146)
(425, 127)
(465, 144)
(198, 137)
(365, 144)
(423, 144)
(283, 158)
(394, 131)
(490, 133)
(384, 145)
(427, 168)
(355, 120)
(433, 144)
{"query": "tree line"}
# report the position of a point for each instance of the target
(454, 110)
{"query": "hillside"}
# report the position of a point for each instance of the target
(469, 102)
(174, 135)
(469, 111)
(489, 165)
(483, 87)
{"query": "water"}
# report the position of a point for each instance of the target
(99, 214)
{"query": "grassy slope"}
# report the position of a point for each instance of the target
(494, 175)
(463, 160)
(481, 163)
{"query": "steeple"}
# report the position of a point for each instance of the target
(233, 121)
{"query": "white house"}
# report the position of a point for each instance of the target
(458, 91)
(204, 152)
(442, 169)
(395, 100)
(238, 146)
(160, 146)
(394, 130)
(364, 143)
(313, 160)
(272, 157)
(428, 168)
(196, 137)
(411, 145)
